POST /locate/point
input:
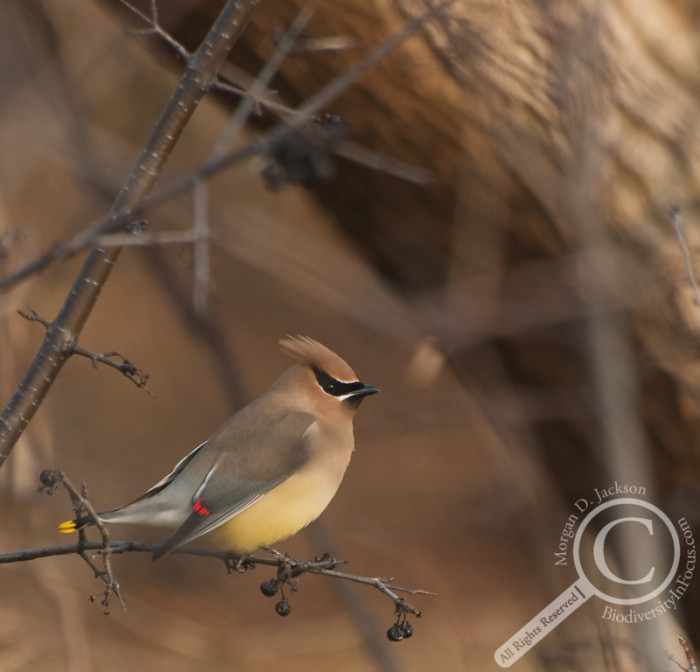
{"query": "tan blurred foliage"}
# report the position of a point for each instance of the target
(551, 128)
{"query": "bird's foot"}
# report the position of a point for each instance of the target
(239, 563)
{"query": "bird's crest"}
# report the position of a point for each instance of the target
(307, 351)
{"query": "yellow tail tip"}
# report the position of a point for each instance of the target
(67, 527)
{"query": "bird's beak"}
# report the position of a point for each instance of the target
(356, 397)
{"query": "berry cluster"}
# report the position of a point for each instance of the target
(270, 589)
(402, 629)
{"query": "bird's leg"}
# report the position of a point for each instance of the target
(288, 568)
(239, 563)
(327, 561)
(277, 554)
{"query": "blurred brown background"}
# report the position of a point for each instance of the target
(526, 315)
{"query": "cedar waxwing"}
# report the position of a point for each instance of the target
(266, 473)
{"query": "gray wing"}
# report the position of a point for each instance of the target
(177, 470)
(263, 455)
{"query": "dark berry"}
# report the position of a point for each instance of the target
(47, 477)
(407, 629)
(269, 588)
(395, 633)
(283, 608)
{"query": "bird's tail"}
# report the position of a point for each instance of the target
(68, 526)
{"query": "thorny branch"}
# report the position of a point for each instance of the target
(111, 358)
(288, 569)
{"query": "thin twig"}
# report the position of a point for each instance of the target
(111, 358)
(256, 98)
(202, 68)
(156, 29)
(685, 252)
(66, 249)
(296, 567)
(202, 267)
(265, 101)
(383, 584)
(32, 316)
(326, 567)
(81, 505)
(200, 231)
(358, 608)
(106, 575)
(235, 125)
(147, 239)
(259, 86)
(689, 656)
(288, 569)
(325, 44)
(382, 163)
(125, 366)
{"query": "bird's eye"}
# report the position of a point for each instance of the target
(328, 384)
(335, 387)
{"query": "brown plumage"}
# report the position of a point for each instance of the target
(307, 351)
(270, 469)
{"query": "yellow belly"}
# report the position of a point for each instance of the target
(280, 513)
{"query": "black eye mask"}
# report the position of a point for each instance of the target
(335, 387)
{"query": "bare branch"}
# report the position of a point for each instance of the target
(50, 479)
(259, 87)
(689, 656)
(323, 566)
(156, 29)
(325, 44)
(235, 125)
(202, 266)
(106, 575)
(64, 331)
(265, 101)
(256, 96)
(291, 567)
(147, 239)
(66, 249)
(111, 358)
(118, 362)
(383, 163)
(288, 569)
(32, 316)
